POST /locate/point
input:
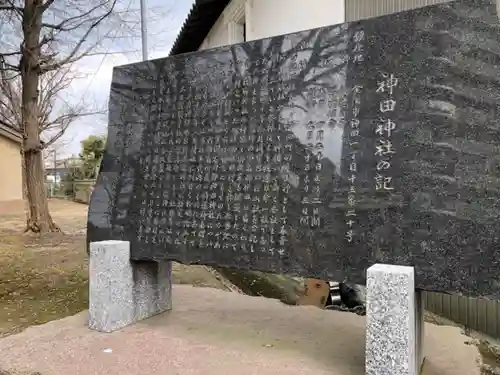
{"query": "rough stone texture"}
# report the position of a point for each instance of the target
(122, 292)
(393, 321)
(287, 289)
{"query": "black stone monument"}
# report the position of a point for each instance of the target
(317, 153)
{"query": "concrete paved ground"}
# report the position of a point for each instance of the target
(212, 332)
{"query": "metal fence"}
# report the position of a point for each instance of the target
(59, 190)
(74, 190)
(478, 314)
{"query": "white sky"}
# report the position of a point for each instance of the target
(162, 31)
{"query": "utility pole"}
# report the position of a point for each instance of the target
(55, 165)
(144, 31)
(54, 173)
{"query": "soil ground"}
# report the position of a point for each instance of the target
(212, 332)
(45, 278)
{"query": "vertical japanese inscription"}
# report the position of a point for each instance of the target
(313, 165)
(275, 199)
(153, 193)
(384, 128)
(353, 129)
(210, 162)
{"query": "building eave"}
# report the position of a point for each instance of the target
(11, 133)
(197, 25)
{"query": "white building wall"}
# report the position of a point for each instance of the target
(218, 35)
(267, 18)
(276, 17)
(361, 9)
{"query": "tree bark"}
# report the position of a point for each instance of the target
(38, 215)
(23, 167)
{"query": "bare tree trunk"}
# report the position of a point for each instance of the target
(23, 169)
(39, 219)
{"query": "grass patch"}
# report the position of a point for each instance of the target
(40, 283)
(46, 278)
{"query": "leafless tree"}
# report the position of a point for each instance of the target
(55, 112)
(41, 39)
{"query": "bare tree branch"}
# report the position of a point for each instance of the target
(17, 53)
(45, 6)
(86, 22)
(80, 24)
(79, 21)
(11, 7)
(41, 39)
(9, 98)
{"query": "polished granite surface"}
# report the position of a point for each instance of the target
(317, 153)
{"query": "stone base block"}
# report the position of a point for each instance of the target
(394, 321)
(122, 292)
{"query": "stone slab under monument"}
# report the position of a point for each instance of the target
(317, 154)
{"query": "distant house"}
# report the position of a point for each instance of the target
(57, 170)
(215, 23)
(11, 187)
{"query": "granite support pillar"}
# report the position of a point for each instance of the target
(122, 292)
(394, 321)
